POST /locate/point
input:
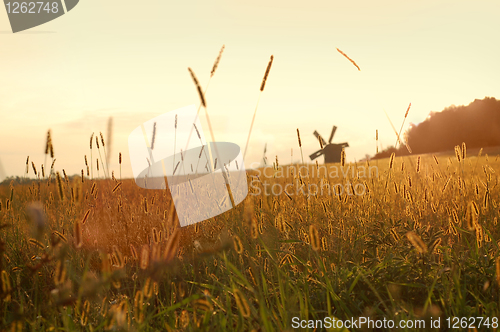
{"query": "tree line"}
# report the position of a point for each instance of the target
(477, 124)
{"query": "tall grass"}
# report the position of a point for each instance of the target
(105, 254)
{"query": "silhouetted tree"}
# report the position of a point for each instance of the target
(478, 125)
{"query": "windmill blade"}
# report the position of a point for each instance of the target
(345, 145)
(333, 133)
(318, 136)
(316, 154)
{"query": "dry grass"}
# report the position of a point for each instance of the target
(111, 254)
(77, 253)
(347, 57)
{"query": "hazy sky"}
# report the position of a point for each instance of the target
(128, 59)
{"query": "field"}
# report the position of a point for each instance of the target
(418, 240)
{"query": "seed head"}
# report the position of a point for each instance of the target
(391, 160)
(48, 142)
(458, 153)
(216, 64)
(268, 69)
(102, 139)
(417, 242)
(314, 236)
(198, 87)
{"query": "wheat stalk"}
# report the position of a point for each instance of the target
(34, 168)
(417, 242)
(198, 87)
(133, 252)
(47, 146)
(60, 236)
(85, 217)
(226, 180)
(262, 86)
(116, 187)
(216, 64)
(266, 74)
(144, 257)
(139, 306)
(36, 243)
(458, 153)
(78, 234)
(314, 236)
(300, 145)
(27, 165)
(354, 63)
(120, 162)
(91, 165)
(391, 166)
(172, 246)
(104, 168)
(60, 186)
(200, 92)
(65, 177)
(238, 245)
(100, 156)
(241, 303)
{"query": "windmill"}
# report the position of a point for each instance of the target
(330, 151)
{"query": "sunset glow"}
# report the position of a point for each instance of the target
(118, 59)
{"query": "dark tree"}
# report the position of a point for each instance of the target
(478, 125)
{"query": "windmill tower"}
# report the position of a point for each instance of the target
(331, 151)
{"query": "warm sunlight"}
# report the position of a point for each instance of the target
(251, 166)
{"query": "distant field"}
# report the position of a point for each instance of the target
(492, 151)
(395, 239)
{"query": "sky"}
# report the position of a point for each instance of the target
(128, 60)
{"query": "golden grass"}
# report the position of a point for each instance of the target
(217, 60)
(352, 61)
(266, 74)
(198, 88)
(435, 221)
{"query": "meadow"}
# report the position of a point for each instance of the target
(82, 254)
